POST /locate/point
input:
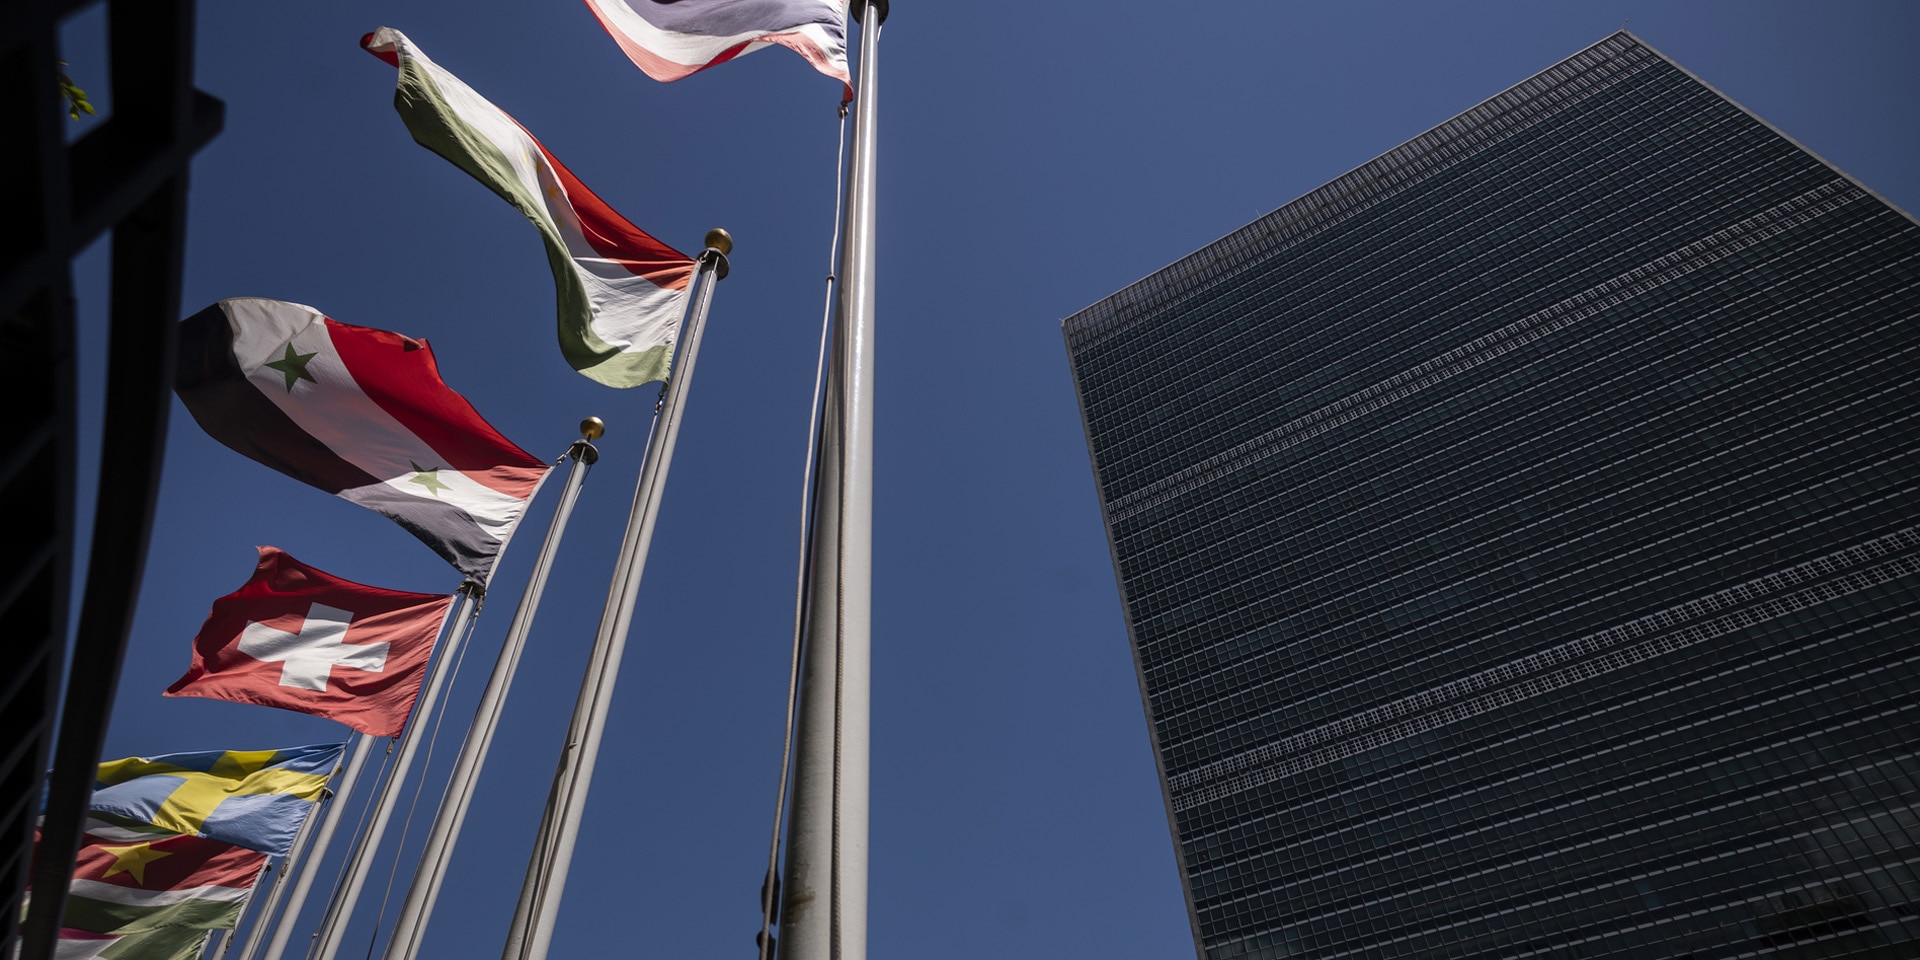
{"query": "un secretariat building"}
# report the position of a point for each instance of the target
(1519, 541)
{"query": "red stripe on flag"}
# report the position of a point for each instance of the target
(616, 238)
(392, 57)
(182, 862)
(400, 375)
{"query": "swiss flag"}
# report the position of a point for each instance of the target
(299, 639)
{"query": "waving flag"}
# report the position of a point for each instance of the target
(301, 639)
(251, 798)
(620, 291)
(154, 897)
(362, 414)
(670, 39)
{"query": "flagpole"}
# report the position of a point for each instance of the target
(824, 886)
(531, 932)
(263, 917)
(340, 910)
(220, 946)
(411, 923)
(537, 863)
(363, 747)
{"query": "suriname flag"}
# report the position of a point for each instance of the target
(138, 895)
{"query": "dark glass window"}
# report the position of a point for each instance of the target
(1519, 541)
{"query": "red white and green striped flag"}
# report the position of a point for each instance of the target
(362, 414)
(145, 896)
(621, 292)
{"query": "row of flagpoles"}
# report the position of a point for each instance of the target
(175, 846)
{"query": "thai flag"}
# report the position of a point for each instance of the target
(670, 39)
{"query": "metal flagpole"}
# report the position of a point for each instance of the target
(263, 917)
(340, 911)
(425, 888)
(537, 861)
(532, 930)
(224, 941)
(824, 888)
(363, 747)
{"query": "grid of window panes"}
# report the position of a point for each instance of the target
(1527, 562)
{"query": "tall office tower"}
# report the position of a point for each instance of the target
(1519, 539)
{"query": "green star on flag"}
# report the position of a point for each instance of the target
(294, 366)
(427, 478)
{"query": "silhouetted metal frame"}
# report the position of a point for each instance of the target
(128, 176)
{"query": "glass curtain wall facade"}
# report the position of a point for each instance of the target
(1519, 543)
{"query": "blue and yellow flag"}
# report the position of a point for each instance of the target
(251, 798)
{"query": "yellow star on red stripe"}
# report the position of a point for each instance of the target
(133, 859)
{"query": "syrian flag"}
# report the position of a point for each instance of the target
(621, 292)
(362, 414)
(154, 896)
(301, 639)
(668, 40)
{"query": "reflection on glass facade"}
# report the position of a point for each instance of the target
(1520, 546)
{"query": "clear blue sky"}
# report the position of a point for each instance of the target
(1035, 157)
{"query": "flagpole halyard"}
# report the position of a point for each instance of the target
(363, 747)
(770, 882)
(410, 925)
(531, 933)
(340, 912)
(289, 865)
(225, 941)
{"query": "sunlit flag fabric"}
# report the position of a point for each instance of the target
(252, 798)
(670, 39)
(360, 413)
(86, 945)
(620, 292)
(153, 896)
(302, 639)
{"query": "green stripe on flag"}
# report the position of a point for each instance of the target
(173, 943)
(104, 916)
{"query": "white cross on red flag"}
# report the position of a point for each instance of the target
(301, 639)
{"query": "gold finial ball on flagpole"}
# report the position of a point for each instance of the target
(593, 428)
(718, 239)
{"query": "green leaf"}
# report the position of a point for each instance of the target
(74, 97)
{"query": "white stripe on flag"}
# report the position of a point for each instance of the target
(488, 507)
(113, 831)
(134, 896)
(336, 412)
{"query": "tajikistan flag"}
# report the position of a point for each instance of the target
(362, 414)
(620, 291)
